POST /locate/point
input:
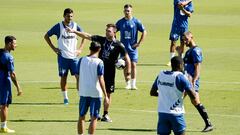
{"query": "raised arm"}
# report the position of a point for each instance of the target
(83, 35)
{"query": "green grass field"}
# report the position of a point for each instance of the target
(40, 111)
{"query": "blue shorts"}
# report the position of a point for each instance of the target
(67, 64)
(5, 91)
(177, 32)
(93, 103)
(133, 56)
(168, 122)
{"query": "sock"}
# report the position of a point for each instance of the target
(65, 95)
(172, 54)
(128, 82)
(105, 112)
(203, 112)
(4, 124)
(133, 82)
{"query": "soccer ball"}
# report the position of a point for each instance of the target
(120, 64)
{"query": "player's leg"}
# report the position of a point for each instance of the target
(84, 103)
(4, 114)
(128, 81)
(202, 111)
(178, 124)
(163, 127)
(133, 75)
(63, 67)
(94, 112)
(173, 38)
(105, 116)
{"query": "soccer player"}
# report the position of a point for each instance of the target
(129, 27)
(192, 63)
(91, 86)
(183, 9)
(66, 51)
(111, 48)
(169, 86)
(7, 74)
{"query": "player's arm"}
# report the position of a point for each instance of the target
(79, 51)
(15, 82)
(196, 73)
(188, 13)
(83, 35)
(141, 39)
(154, 89)
(184, 3)
(49, 42)
(102, 85)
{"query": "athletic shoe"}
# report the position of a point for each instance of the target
(134, 88)
(65, 102)
(128, 87)
(169, 64)
(106, 118)
(208, 128)
(6, 130)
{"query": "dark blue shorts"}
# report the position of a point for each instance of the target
(67, 64)
(5, 91)
(93, 103)
(168, 122)
(177, 32)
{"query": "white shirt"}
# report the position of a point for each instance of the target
(170, 98)
(89, 85)
(67, 42)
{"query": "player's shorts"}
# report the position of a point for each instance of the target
(177, 32)
(5, 91)
(168, 122)
(67, 64)
(133, 56)
(93, 103)
(109, 78)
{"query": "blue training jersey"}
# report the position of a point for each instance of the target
(129, 31)
(6, 66)
(181, 20)
(192, 56)
(55, 30)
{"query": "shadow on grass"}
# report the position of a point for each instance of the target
(152, 65)
(40, 104)
(43, 120)
(56, 88)
(130, 129)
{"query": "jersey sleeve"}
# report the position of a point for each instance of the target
(118, 25)
(176, 2)
(97, 38)
(10, 64)
(122, 49)
(100, 69)
(155, 86)
(197, 55)
(140, 26)
(79, 28)
(55, 30)
(183, 83)
(189, 7)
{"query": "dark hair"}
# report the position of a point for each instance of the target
(112, 25)
(67, 11)
(176, 63)
(127, 6)
(94, 46)
(9, 39)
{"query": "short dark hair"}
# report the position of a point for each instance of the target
(94, 46)
(9, 39)
(176, 63)
(112, 25)
(127, 6)
(67, 11)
